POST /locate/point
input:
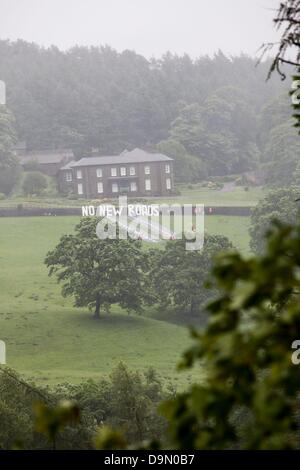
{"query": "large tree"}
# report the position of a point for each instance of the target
(281, 154)
(187, 168)
(99, 273)
(34, 183)
(8, 162)
(179, 275)
(281, 204)
(221, 132)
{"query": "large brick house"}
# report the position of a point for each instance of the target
(135, 173)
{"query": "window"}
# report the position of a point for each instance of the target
(69, 176)
(148, 185)
(132, 170)
(99, 172)
(133, 186)
(79, 174)
(114, 187)
(80, 188)
(147, 170)
(123, 171)
(167, 168)
(168, 183)
(100, 187)
(113, 172)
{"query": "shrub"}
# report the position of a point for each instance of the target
(34, 183)
(32, 165)
(214, 186)
(175, 192)
(72, 197)
(8, 178)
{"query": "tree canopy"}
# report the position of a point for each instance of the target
(85, 98)
(280, 204)
(179, 276)
(8, 160)
(99, 273)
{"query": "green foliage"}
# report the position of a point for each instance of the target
(108, 413)
(282, 154)
(287, 21)
(250, 397)
(179, 275)
(32, 165)
(131, 407)
(113, 101)
(134, 401)
(109, 439)
(50, 420)
(273, 114)
(16, 414)
(281, 145)
(34, 183)
(9, 177)
(7, 137)
(297, 106)
(126, 400)
(78, 343)
(9, 168)
(187, 168)
(280, 204)
(100, 272)
(220, 131)
(35, 418)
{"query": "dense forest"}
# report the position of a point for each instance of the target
(214, 115)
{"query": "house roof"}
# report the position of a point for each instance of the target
(46, 156)
(69, 165)
(135, 156)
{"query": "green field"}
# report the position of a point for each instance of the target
(235, 197)
(210, 197)
(51, 341)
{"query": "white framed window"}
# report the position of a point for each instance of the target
(167, 169)
(132, 170)
(99, 172)
(114, 187)
(79, 174)
(133, 186)
(113, 172)
(148, 185)
(80, 188)
(168, 183)
(147, 170)
(123, 171)
(69, 177)
(100, 187)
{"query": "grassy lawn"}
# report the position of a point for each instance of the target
(50, 341)
(233, 227)
(235, 197)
